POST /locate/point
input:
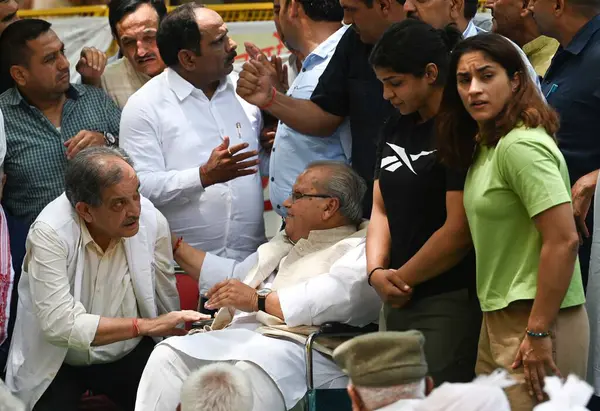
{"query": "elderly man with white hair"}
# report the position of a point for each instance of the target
(387, 370)
(217, 387)
(312, 273)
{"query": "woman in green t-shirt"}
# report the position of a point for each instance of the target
(495, 123)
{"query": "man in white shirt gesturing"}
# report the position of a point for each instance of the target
(188, 131)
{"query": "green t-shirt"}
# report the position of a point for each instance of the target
(507, 185)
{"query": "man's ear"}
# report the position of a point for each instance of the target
(559, 7)
(331, 207)
(18, 74)
(187, 59)
(84, 212)
(384, 6)
(429, 385)
(294, 8)
(357, 404)
(457, 8)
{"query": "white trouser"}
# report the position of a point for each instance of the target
(167, 369)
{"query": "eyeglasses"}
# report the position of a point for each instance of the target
(295, 196)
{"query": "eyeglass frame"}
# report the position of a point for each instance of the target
(296, 196)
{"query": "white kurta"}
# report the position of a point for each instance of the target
(342, 295)
(170, 128)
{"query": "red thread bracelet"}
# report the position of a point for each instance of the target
(270, 103)
(136, 328)
(177, 244)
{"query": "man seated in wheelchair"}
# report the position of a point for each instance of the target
(312, 273)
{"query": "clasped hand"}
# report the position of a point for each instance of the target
(391, 288)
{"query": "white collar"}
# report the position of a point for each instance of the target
(183, 88)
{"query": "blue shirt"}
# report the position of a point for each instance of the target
(292, 150)
(572, 87)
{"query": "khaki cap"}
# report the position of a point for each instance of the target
(383, 359)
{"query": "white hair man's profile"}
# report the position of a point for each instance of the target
(217, 387)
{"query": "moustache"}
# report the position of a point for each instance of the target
(62, 74)
(131, 221)
(146, 57)
(231, 57)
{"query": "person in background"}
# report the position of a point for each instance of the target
(313, 28)
(97, 291)
(294, 64)
(188, 132)
(514, 20)
(517, 199)
(387, 370)
(440, 13)
(216, 387)
(572, 87)
(90, 65)
(134, 24)
(47, 119)
(419, 257)
(347, 88)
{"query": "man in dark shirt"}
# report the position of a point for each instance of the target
(347, 88)
(572, 87)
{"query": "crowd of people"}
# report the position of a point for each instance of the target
(432, 178)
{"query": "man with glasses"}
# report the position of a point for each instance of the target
(309, 274)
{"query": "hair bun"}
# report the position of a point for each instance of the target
(450, 35)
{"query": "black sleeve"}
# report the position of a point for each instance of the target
(331, 93)
(455, 179)
(385, 135)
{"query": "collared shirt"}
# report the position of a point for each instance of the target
(106, 291)
(170, 128)
(292, 150)
(473, 30)
(540, 51)
(36, 155)
(572, 87)
(120, 80)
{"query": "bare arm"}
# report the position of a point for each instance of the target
(379, 240)
(444, 249)
(189, 259)
(560, 245)
(255, 86)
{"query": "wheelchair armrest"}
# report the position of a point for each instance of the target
(343, 330)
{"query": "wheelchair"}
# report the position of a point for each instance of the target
(328, 399)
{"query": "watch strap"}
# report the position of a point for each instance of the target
(262, 300)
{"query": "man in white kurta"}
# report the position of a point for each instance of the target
(312, 273)
(174, 128)
(96, 276)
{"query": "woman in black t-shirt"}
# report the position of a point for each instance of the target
(419, 251)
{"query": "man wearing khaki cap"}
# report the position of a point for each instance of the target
(387, 370)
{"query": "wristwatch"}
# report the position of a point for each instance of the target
(110, 140)
(262, 298)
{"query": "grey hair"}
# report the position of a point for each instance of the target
(346, 185)
(87, 175)
(379, 397)
(217, 387)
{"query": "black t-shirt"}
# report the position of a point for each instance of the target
(413, 184)
(348, 87)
